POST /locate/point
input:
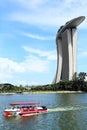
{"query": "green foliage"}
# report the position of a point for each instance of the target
(82, 76)
(78, 83)
(11, 88)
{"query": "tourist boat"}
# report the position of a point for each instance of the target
(24, 109)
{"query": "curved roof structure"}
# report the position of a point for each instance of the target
(70, 24)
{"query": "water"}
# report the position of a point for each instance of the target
(66, 112)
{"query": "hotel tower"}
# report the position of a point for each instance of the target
(66, 43)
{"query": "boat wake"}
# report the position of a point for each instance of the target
(67, 108)
(57, 109)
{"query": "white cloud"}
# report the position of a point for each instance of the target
(30, 64)
(22, 82)
(38, 37)
(48, 13)
(5, 75)
(31, 4)
(50, 55)
(35, 64)
(10, 66)
(37, 61)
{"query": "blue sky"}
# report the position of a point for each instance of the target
(27, 38)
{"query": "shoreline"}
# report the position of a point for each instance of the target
(47, 92)
(42, 92)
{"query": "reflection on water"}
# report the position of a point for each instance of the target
(68, 120)
(66, 112)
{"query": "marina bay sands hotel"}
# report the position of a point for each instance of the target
(66, 42)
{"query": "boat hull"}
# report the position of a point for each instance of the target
(11, 112)
(24, 112)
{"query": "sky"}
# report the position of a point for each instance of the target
(28, 31)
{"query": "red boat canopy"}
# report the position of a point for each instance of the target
(23, 103)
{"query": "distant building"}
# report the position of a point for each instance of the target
(66, 41)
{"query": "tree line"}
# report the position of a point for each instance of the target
(78, 83)
(7, 87)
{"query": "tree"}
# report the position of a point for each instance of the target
(82, 76)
